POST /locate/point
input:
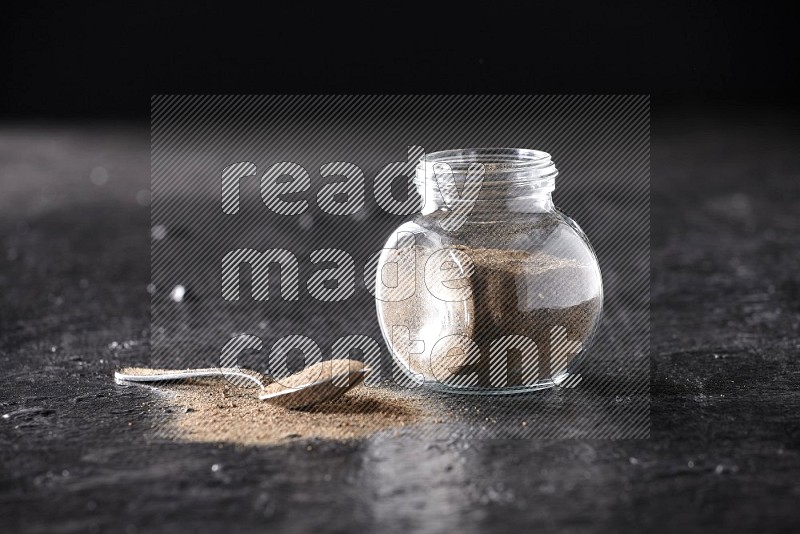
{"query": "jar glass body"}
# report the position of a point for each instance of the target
(490, 289)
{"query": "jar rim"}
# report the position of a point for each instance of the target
(504, 170)
(494, 159)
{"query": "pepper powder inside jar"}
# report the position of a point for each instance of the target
(501, 301)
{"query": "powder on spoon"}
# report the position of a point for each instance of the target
(339, 370)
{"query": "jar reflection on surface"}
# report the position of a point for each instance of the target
(494, 293)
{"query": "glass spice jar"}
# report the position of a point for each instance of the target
(489, 289)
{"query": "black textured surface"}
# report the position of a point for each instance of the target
(76, 453)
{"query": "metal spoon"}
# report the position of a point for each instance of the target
(318, 383)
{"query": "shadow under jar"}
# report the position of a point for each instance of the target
(489, 289)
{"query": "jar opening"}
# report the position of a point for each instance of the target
(504, 174)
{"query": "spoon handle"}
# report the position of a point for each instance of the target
(126, 376)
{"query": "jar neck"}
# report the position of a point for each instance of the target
(486, 181)
(489, 209)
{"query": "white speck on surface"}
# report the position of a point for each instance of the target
(151, 288)
(719, 469)
(633, 461)
(124, 345)
(215, 468)
(690, 464)
(178, 293)
(6, 416)
(99, 176)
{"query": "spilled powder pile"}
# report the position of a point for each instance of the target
(217, 411)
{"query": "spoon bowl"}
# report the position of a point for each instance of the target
(319, 392)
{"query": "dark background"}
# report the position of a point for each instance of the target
(724, 453)
(105, 60)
